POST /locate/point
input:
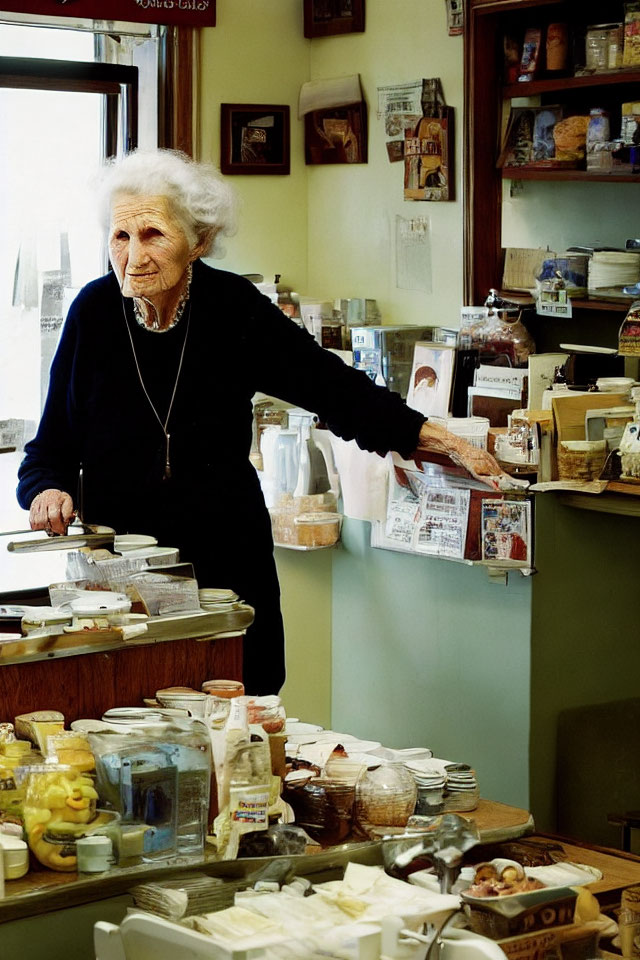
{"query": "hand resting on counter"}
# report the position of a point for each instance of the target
(480, 464)
(51, 510)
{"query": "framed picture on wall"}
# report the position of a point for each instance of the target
(329, 18)
(254, 138)
(336, 135)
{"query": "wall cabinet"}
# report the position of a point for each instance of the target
(490, 94)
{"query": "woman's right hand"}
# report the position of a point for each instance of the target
(51, 510)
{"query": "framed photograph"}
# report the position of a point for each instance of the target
(336, 135)
(329, 18)
(254, 138)
(428, 158)
(431, 378)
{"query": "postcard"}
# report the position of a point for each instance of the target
(431, 379)
(506, 531)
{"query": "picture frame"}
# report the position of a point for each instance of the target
(330, 18)
(255, 139)
(336, 135)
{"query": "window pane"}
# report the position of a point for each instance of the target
(50, 245)
(19, 41)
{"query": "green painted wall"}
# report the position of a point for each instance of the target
(305, 581)
(428, 652)
(584, 634)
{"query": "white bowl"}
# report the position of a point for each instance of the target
(133, 541)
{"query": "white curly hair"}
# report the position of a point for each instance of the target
(202, 201)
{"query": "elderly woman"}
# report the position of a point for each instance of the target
(150, 394)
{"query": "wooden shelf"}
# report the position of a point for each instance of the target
(562, 84)
(578, 303)
(586, 176)
(608, 306)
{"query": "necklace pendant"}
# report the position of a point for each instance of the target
(167, 462)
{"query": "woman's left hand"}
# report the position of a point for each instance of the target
(480, 464)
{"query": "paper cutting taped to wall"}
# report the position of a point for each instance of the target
(413, 254)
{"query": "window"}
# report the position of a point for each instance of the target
(60, 119)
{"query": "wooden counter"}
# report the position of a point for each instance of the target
(43, 890)
(619, 869)
(84, 675)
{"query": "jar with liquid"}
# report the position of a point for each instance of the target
(323, 808)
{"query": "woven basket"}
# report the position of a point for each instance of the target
(581, 459)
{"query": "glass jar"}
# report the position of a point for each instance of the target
(629, 335)
(159, 773)
(59, 806)
(223, 688)
(385, 796)
(323, 808)
(597, 48)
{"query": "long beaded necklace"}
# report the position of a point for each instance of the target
(163, 426)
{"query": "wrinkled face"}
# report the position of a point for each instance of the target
(148, 248)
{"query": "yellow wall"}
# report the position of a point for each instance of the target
(257, 54)
(352, 210)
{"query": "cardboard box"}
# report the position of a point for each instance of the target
(500, 917)
(572, 942)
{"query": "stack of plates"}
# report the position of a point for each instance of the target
(214, 599)
(426, 775)
(613, 268)
(460, 778)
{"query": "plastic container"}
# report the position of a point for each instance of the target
(267, 711)
(473, 429)
(224, 688)
(317, 529)
(15, 855)
(93, 854)
(614, 384)
(162, 757)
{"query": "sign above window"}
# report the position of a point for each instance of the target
(192, 13)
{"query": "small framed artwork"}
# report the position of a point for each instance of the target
(254, 138)
(431, 378)
(336, 135)
(329, 18)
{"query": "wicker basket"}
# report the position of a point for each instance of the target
(581, 459)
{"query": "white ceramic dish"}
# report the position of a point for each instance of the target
(133, 541)
(584, 348)
(296, 726)
(556, 877)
